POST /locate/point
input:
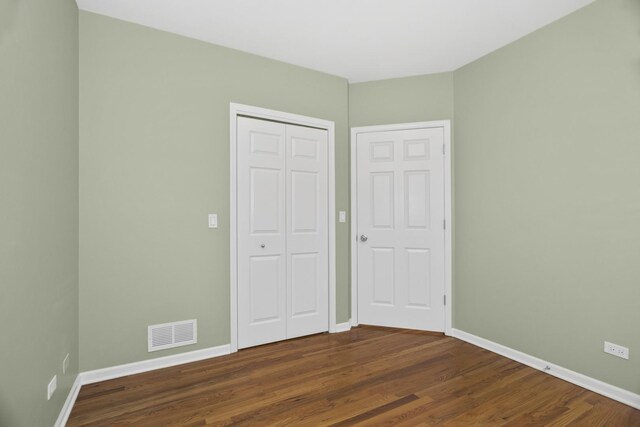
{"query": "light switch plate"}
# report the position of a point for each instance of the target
(213, 220)
(342, 216)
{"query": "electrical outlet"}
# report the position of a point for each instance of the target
(616, 350)
(53, 384)
(65, 364)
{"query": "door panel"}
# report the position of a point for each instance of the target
(382, 199)
(418, 266)
(266, 143)
(416, 149)
(265, 291)
(383, 276)
(416, 199)
(261, 232)
(307, 231)
(265, 209)
(304, 202)
(400, 201)
(304, 278)
(381, 151)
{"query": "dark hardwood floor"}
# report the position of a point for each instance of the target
(368, 376)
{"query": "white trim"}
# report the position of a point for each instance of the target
(448, 249)
(616, 393)
(343, 327)
(264, 113)
(233, 230)
(448, 232)
(110, 373)
(332, 226)
(402, 126)
(353, 238)
(63, 417)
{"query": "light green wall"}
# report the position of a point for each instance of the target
(547, 172)
(38, 207)
(409, 99)
(154, 161)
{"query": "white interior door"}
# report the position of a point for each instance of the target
(400, 203)
(283, 277)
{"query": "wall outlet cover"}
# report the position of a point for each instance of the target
(616, 350)
(53, 384)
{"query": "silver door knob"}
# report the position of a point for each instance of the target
(364, 238)
(263, 245)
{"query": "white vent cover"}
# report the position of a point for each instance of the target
(175, 334)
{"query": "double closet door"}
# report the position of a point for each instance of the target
(283, 274)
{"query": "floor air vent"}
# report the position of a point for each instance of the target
(175, 334)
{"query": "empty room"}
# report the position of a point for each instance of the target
(339, 212)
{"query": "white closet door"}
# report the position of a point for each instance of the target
(307, 231)
(283, 268)
(400, 183)
(262, 277)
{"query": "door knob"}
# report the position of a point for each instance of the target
(263, 245)
(364, 238)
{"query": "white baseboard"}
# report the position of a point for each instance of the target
(119, 371)
(98, 375)
(616, 393)
(68, 404)
(343, 327)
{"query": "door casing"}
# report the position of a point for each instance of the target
(236, 110)
(448, 252)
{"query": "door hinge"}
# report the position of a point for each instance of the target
(445, 300)
(444, 149)
(444, 224)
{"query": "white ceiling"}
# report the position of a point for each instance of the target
(360, 40)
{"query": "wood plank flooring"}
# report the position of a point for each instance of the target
(368, 376)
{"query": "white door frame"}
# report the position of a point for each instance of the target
(448, 253)
(295, 119)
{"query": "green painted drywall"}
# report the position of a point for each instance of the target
(409, 99)
(547, 173)
(154, 161)
(38, 207)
